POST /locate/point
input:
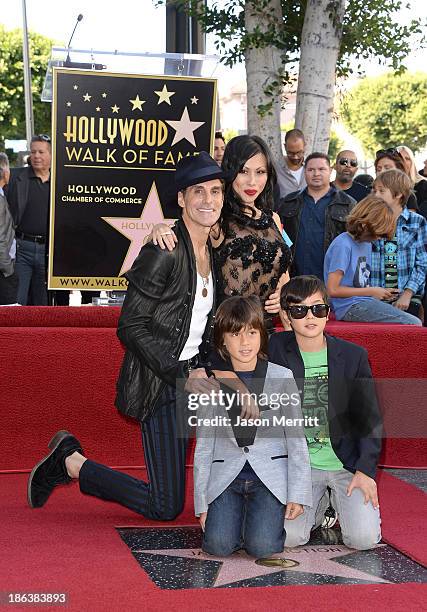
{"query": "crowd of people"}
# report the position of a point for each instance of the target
(197, 326)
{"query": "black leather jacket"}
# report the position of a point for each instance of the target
(289, 210)
(154, 324)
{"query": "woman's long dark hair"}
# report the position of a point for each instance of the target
(237, 152)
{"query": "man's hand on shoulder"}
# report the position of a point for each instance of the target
(199, 382)
(367, 485)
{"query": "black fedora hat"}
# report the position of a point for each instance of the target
(197, 169)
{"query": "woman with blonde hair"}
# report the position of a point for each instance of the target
(419, 183)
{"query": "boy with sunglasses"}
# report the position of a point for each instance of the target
(346, 166)
(336, 386)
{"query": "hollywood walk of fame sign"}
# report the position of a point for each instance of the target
(116, 142)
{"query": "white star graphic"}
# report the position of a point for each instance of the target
(98, 109)
(75, 86)
(184, 128)
(313, 559)
(137, 228)
(115, 108)
(104, 95)
(87, 97)
(164, 95)
(68, 103)
(194, 100)
(137, 103)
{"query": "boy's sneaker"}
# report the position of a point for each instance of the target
(330, 518)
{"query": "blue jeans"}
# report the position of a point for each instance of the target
(246, 515)
(30, 267)
(376, 311)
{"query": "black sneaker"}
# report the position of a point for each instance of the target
(330, 518)
(51, 470)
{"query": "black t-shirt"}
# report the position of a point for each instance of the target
(35, 218)
(357, 191)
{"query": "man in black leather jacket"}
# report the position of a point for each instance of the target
(313, 217)
(165, 324)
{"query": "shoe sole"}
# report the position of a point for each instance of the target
(53, 445)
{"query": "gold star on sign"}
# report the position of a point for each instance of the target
(164, 95)
(104, 95)
(75, 86)
(68, 103)
(137, 103)
(115, 108)
(87, 97)
(194, 100)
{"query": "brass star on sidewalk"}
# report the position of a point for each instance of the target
(164, 95)
(137, 103)
(184, 128)
(115, 108)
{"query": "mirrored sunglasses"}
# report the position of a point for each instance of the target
(299, 311)
(344, 161)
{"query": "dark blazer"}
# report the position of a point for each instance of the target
(17, 192)
(289, 210)
(355, 423)
(155, 323)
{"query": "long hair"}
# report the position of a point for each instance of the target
(413, 172)
(237, 152)
(371, 217)
(237, 312)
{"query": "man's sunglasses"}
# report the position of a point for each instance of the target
(43, 137)
(299, 311)
(344, 161)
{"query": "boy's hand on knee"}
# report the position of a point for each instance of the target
(202, 520)
(367, 485)
(293, 510)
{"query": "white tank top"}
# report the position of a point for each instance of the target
(199, 316)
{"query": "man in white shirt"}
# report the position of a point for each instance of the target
(290, 174)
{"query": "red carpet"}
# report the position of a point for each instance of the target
(71, 546)
(60, 372)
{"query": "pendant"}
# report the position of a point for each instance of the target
(204, 292)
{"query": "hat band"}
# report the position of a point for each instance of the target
(205, 172)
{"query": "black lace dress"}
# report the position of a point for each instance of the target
(251, 258)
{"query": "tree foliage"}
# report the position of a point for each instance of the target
(12, 102)
(388, 111)
(369, 31)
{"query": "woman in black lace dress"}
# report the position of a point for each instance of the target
(251, 256)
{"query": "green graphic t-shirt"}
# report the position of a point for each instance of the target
(315, 404)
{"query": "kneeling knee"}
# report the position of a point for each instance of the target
(361, 541)
(217, 547)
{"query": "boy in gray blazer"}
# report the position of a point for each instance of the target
(247, 471)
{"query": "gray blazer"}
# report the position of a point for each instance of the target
(278, 455)
(7, 234)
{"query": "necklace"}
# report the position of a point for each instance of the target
(205, 282)
(204, 273)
